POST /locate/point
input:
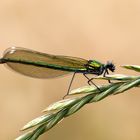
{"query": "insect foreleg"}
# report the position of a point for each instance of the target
(106, 72)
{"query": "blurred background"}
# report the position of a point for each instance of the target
(102, 30)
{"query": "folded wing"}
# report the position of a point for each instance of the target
(41, 65)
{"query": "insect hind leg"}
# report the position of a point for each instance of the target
(70, 85)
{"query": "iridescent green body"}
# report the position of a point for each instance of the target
(42, 65)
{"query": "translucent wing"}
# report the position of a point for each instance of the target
(39, 63)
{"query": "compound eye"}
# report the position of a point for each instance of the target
(112, 68)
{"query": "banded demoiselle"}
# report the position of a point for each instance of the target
(41, 65)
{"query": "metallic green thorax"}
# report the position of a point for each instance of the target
(95, 64)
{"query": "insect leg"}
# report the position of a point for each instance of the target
(106, 72)
(70, 84)
(90, 81)
(87, 78)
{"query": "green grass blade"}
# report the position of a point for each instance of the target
(89, 94)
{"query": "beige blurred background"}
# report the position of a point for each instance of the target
(102, 30)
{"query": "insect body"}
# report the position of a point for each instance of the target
(41, 65)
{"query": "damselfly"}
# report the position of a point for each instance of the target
(41, 65)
